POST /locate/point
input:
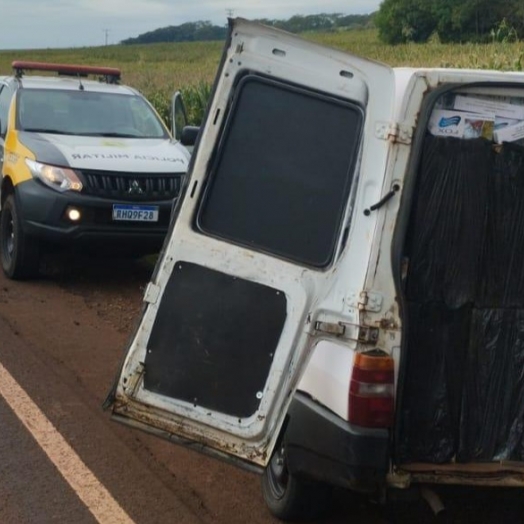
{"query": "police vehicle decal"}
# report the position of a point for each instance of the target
(151, 155)
(44, 150)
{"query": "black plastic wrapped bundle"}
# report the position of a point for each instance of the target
(501, 282)
(463, 395)
(448, 221)
(438, 341)
(492, 421)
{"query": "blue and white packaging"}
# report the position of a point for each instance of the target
(460, 124)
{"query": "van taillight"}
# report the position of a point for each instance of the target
(372, 390)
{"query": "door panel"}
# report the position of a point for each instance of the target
(252, 257)
(220, 357)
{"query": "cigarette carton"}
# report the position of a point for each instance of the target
(504, 122)
(501, 109)
(509, 133)
(459, 124)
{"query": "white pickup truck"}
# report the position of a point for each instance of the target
(84, 162)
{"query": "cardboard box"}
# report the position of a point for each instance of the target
(509, 133)
(475, 104)
(459, 124)
(505, 122)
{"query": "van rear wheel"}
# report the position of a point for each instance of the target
(289, 497)
(20, 255)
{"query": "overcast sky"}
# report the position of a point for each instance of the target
(26, 24)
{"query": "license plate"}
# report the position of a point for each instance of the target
(135, 213)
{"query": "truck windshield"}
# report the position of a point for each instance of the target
(87, 114)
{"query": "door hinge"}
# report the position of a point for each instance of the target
(370, 301)
(394, 132)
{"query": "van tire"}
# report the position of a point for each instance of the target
(290, 498)
(20, 255)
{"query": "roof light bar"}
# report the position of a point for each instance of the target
(110, 74)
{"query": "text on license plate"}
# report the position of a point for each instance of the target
(135, 213)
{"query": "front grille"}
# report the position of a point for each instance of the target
(134, 187)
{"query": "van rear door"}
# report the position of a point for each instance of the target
(230, 312)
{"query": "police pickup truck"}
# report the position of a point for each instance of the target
(83, 162)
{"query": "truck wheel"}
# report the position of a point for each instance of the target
(20, 255)
(291, 498)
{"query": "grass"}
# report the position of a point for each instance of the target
(157, 70)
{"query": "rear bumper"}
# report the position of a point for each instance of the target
(43, 213)
(322, 446)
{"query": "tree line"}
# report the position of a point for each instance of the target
(401, 21)
(205, 31)
(398, 21)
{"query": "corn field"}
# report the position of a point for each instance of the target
(158, 70)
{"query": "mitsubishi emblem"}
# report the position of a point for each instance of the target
(134, 188)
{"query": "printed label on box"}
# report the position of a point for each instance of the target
(509, 133)
(475, 104)
(460, 124)
(504, 122)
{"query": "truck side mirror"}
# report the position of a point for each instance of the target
(189, 135)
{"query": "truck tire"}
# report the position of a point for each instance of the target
(20, 255)
(291, 498)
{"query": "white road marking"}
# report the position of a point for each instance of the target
(91, 492)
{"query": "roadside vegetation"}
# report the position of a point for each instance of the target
(202, 30)
(157, 70)
(401, 21)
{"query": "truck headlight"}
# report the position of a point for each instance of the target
(59, 178)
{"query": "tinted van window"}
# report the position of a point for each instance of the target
(281, 180)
